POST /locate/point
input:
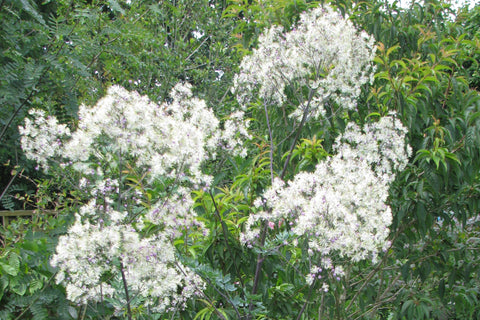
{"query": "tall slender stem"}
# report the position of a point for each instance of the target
(258, 268)
(8, 185)
(125, 286)
(297, 136)
(374, 271)
(306, 300)
(320, 308)
(271, 140)
(260, 258)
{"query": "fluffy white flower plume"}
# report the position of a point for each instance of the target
(165, 139)
(381, 144)
(92, 257)
(341, 206)
(235, 133)
(124, 137)
(324, 54)
(42, 138)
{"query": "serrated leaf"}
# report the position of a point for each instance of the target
(409, 78)
(424, 87)
(28, 7)
(396, 63)
(378, 60)
(431, 79)
(382, 75)
(470, 136)
(452, 156)
(441, 67)
(39, 311)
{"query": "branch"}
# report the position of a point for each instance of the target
(258, 268)
(17, 111)
(374, 271)
(379, 303)
(226, 297)
(8, 186)
(271, 140)
(299, 130)
(306, 300)
(263, 234)
(124, 280)
(196, 49)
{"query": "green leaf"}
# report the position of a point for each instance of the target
(436, 159)
(35, 285)
(30, 245)
(115, 6)
(441, 288)
(431, 79)
(424, 87)
(378, 60)
(396, 63)
(392, 49)
(30, 8)
(452, 156)
(382, 75)
(19, 289)
(3, 285)
(73, 312)
(441, 67)
(9, 269)
(39, 311)
(409, 79)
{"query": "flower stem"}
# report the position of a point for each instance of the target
(129, 311)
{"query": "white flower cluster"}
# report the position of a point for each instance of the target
(162, 144)
(167, 139)
(41, 138)
(174, 213)
(381, 144)
(234, 133)
(341, 206)
(325, 54)
(90, 256)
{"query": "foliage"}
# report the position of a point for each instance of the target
(57, 55)
(28, 289)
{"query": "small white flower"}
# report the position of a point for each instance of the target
(341, 206)
(324, 53)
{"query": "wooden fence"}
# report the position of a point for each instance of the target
(10, 215)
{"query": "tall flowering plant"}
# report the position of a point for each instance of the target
(138, 162)
(120, 246)
(340, 208)
(339, 213)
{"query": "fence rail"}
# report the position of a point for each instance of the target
(9, 215)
